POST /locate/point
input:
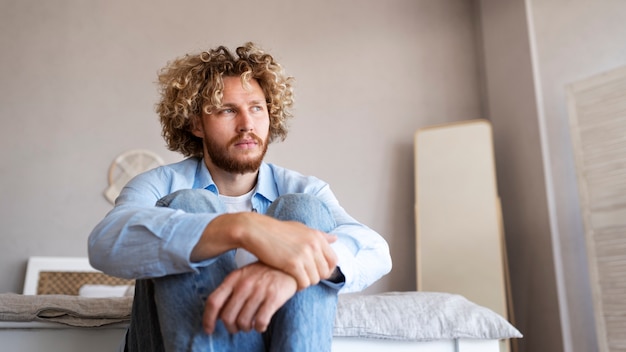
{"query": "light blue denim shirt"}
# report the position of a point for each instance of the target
(138, 240)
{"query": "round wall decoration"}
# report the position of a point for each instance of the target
(126, 166)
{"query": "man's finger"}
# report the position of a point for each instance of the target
(231, 310)
(314, 273)
(300, 272)
(246, 318)
(214, 304)
(330, 238)
(331, 260)
(264, 314)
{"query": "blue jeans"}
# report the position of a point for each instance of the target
(167, 311)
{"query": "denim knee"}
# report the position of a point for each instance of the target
(192, 201)
(304, 208)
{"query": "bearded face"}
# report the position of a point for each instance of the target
(236, 133)
(244, 153)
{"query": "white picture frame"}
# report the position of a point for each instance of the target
(42, 264)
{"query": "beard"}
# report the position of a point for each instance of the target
(222, 159)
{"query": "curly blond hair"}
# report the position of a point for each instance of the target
(193, 84)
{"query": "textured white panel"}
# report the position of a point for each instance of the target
(598, 123)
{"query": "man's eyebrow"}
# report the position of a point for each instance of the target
(251, 102)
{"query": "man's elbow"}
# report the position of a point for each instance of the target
(96, 259)
(387, 264)
(384, 256)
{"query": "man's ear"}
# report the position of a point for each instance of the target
(196, 127)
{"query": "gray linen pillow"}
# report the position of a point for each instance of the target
(418, 316)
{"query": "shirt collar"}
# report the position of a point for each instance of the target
(203, 177)
(266, 185)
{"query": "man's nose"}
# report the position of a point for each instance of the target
(244, 121)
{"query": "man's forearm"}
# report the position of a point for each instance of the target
(219, 236)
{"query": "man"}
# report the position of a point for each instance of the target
(231, 253)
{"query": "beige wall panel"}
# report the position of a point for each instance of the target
(459, 235)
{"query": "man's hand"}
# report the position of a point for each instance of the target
(248, 298)
(296, 249)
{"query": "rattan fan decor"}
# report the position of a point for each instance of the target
(126, 166)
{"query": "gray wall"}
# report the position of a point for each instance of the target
(532, 50)
(573, 40)
(76, 90)
(512, 108)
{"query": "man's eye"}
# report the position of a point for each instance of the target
(227, 111)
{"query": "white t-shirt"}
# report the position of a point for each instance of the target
(236, 205)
